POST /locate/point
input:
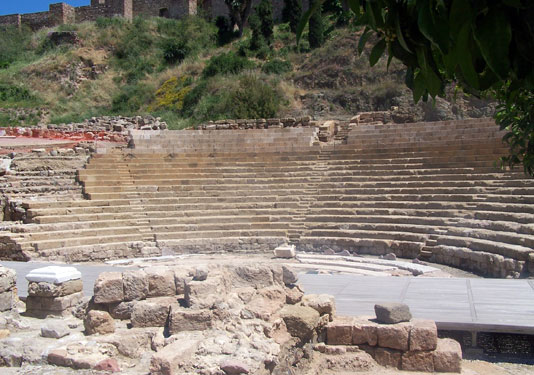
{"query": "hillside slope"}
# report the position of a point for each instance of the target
(176, 70)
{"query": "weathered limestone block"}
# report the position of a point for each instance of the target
(322, 303)
(256, 276)
(203, 294)
(168, 360)
(122, 310)
(300, 321)
(44, 289)
(418, 361)
(160, 282)
(8, 300)
(98, 322)
(364, 332)
(266, 302)
(109, 288)
(294, 295)
(52, 304)
(394, 336)
(55, 330)
(152, 312)
(391, 313)
(181, 319)
(181, 276)
(339, 332)
(234, 367)
(388, 358)
(424, 335)
(285, 251)
(53, 274)
(289, 276)
(8, 279)
(135, 285)
(448, 356)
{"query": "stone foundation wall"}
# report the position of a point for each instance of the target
(258, 123)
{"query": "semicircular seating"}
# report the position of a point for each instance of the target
(428, 190)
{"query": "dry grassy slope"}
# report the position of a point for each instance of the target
(329, 82)
(336, 82)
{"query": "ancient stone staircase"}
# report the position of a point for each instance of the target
(420, 190)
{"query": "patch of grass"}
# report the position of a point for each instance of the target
(131, 98)
(226, 63)
(276, 66)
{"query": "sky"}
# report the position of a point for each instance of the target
(31, 6)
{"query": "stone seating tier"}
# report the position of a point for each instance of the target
(428, 189)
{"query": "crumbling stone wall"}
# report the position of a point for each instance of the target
(10, 20)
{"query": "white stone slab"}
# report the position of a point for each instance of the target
(285, 251)
(54, 274)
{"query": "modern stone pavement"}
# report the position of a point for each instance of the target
(485, 305)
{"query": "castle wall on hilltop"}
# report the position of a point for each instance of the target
(61, 13)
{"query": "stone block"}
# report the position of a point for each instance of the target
(153, 312)
(109, 288)
(254, 275)
(394, 336)
(285, 251)
(121, 310)
(364, 332)
(8, 279)
(160, 282)
(294, 295)
(7, 300)
(45, 289)
(300, 321)
(53, 274)
(181, 319)
(423, 335)
(55, 330)
(339, 332)
(322, 303)
(180, 278)
(98, 322)
(53, 304)
(289, 276)
(388, 358)
(203, 294)
(168, 361)
(234, 367)
(448, 356)
(418, 361)
(392, 313)
(135, 285)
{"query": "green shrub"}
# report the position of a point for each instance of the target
(265, 14)
(254, 98)
(226, 63)
(257, 41)
(276, 66)
(316, 28)
(292, 13)
(131, 98)
(193, 97)
(225, 34)
(171, 95)
(11, 93)
(174, 50)
(105, 22)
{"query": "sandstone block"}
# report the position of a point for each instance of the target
(423, 335)
(135, 285)
(392, 313)
(168, 360)
(294, 295)
(181, 319)
(151, 313)
(109, 288)
(289, 276)
(234, 367)
(418, 361)
(322, 303)
(121, 310)
(160, 282)
(98, 322)
(255, 276)
(180, 278)
(108, 365)
(285, 251)
(448, 356)
(394, 336)
(300, 321)
(364, 332)
(388, 358)
(8, 279)
(339, 332)
(203, 294)
(53, 304)
(44, 289)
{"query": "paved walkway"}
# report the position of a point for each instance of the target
(493, 305)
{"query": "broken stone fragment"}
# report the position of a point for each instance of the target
(234, 367)
(392, 313)
(152, 312)
(322, 303)
(108, 365)
(294, 295)
(300, 321)
(170, 359)
(290, 277)
(55, 330)
(98, 322)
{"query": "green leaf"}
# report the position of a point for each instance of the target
(306, 18)
(400, 37)
(363, 40)
(459, 15)
(355, 7)
(377, 52)
(433, 26)
(464, 58)
(493, 35)
(418, 87)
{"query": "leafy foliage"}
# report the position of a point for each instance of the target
(239, 12)
(485, 46)
(11, 93)
(316, 31)
(276, 66)
(265, 14)
(226, 63)
(170, 96)
(225, 34)
(257, 41)
(13, 45)
(291, 13)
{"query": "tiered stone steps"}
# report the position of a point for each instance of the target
(429, 190)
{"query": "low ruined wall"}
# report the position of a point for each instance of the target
(10, 20)
(258, 123)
